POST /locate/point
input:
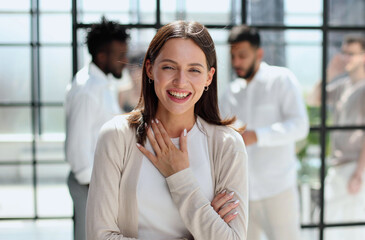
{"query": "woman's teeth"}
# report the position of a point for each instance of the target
(179, 95)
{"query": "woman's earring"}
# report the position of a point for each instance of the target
(206, 88)
(150, 80)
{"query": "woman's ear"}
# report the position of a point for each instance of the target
(149, 69)
(210, 76)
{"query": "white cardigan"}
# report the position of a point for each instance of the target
(112, 211)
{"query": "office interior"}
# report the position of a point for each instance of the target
(42, 47)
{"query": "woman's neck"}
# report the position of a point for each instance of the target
(175, 124)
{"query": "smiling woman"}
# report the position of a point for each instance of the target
(171, 169)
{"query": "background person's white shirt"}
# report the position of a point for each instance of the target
(90, 102)
(156, 209)
(272, 105)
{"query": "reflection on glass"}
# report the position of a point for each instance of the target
(15, 74)
(341, 233)
(284, 12)
(52, 191)
(14, 28)
(344, 194)
(16, 191)
(308, 152)
(346, 79)
(342, 13)
(55, 28)
(56, 72)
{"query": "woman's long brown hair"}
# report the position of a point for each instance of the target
(207, 105)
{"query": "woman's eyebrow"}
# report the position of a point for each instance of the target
(174, 62)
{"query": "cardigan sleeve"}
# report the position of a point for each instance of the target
(103, 202)
(200, 218)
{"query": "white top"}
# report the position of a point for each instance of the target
(90, 102)
(158, 215)
(271, 105)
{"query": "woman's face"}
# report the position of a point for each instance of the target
(180, 74)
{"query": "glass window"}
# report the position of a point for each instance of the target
(204, 11)
(15, 74)
(147, 13)
(208, 11)
(104, 6)
(310, 234)
(355, 233)
(14, 151)
(92, 17)
(55, 28)
(53, 122)
(14, 28)
(16, 191)
(284, 12)
(345, 98)
(345, 13)
(308, 153)
(140, 39)
(15, 5)
(301, 52)
(93, 10)
(15, 123)
(50, 146)
(52, 191)
(169, 11)
(55, 6)
(60, 229)
(222, 49)
(342, 203)
(56, 73)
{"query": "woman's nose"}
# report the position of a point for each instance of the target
(180, 78)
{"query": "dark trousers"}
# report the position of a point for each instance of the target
(79, 197)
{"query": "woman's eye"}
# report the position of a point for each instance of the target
(195, 70)
(167, 68)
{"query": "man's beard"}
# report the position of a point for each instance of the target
(250, 71)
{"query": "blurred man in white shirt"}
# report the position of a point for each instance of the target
(90, 102)
(268, 101)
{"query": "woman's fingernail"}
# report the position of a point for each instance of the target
(152, 121)
(184, 132)
(231, 194)
(235, 213)
(156, 120)
(224, 191)
(138, 145)
(237, 201)
(145, 125)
